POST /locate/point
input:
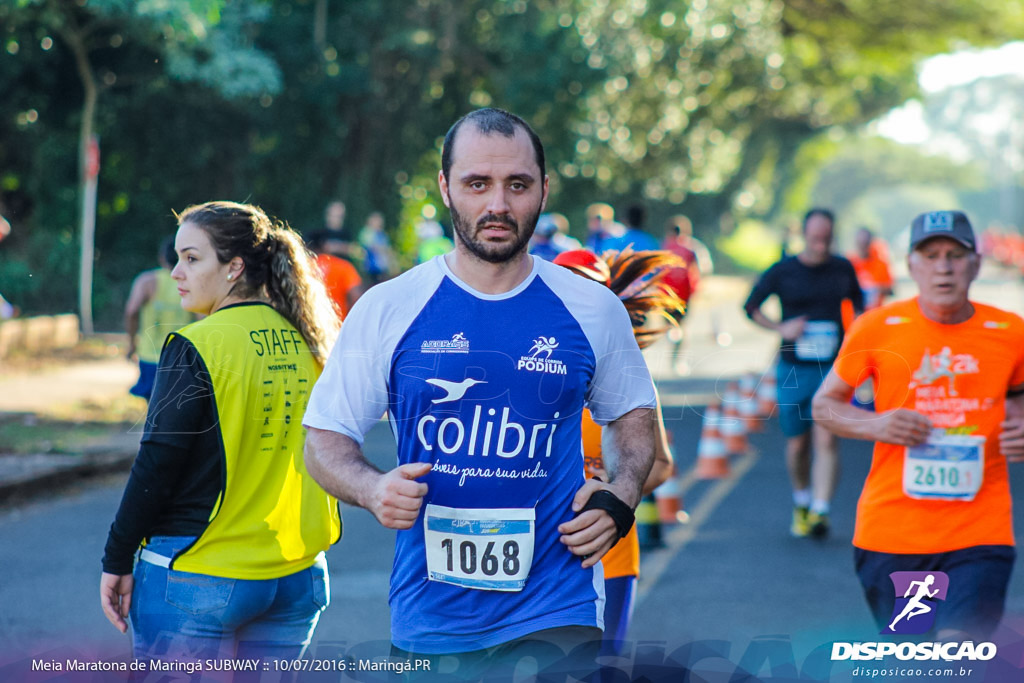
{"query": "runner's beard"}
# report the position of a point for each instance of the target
(493, 252)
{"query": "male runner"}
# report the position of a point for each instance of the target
(949, 383)
(152, 312)
(871, 264)
(811, 287)
(484, 359)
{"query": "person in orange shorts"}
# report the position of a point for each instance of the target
(949, 378)
(637, 278)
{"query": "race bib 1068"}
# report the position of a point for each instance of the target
(485, 549)
(945, 467)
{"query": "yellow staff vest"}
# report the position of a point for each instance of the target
(160, 316)
(271, 518)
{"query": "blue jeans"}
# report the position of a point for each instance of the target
(185, 616)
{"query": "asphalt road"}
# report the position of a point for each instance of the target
(732, 597)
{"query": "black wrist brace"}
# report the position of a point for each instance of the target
(620, 513)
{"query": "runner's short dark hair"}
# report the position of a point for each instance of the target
(487, 121)
(819, 211)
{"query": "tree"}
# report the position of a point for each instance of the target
(206, 48)
(711, 104)
(981, 122)
(701, 107)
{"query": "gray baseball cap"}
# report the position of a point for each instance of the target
(951, 224)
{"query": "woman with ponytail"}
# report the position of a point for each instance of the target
(232, 528)
(639, 280)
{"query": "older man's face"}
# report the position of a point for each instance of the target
(943, 270)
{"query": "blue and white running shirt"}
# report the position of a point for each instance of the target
(489, 389)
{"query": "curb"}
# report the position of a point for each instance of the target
(46, 473)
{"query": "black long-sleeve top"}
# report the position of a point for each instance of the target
(814, 291)
(178, 473)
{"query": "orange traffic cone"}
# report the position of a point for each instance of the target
(748, 403)
(670, 502)
(734, 430)
(712, 457)
(767, 393)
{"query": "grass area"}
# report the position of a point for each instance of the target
(112, 411)
(23, 435)
(71, 428)
(752, 246)
(99, 347)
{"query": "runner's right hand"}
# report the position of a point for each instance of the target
(116, 598)
(397, 496)
(792, 329)
(903, 427)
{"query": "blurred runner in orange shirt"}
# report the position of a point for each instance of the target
(870, 261)
(340, 277)
(949, 377)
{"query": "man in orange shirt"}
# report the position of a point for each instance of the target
(949, 378)
(871, 263)
(340, 277)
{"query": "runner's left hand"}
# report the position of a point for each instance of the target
(1011, 434)
(590, 534)
(1011, 439)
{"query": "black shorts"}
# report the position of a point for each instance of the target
(978, 577)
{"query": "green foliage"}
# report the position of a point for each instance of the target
(981, 122)
(751, 246)
(695, 107)
(889, 210)
(876, 182)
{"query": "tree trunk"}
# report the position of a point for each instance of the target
(320, 23)
(75, 39)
